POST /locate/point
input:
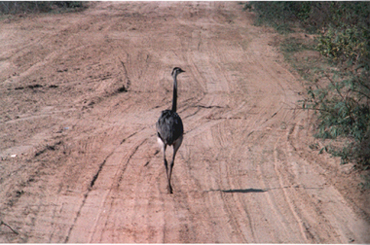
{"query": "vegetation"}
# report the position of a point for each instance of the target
(340, 95)
(9, 7)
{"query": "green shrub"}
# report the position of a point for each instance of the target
(341, 97)
(344, 113)
(348, 44)
(15, 7)
(280, 15)
(344, 105)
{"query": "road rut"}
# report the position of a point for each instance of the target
(88, 168)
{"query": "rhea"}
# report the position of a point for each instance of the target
(170, 129)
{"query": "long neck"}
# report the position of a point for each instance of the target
(174, 99)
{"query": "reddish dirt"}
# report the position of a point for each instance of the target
(80, 95)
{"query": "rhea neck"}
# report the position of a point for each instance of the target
(174, 99)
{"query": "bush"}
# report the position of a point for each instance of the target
(280, 15)
(348, 44)
(37, 6)
(341, 97)
(344, 105)
(343, 109)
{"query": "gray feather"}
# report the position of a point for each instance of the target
(169, 127)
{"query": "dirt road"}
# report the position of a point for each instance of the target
(79, 97)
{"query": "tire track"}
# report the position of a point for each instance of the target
(115, 185)
(243, 172)
(85, 196)
(292, 207)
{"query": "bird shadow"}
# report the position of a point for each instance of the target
(253, 190)
(249, 190)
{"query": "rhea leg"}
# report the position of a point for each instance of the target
(164, 146)
(164, 158)
(176, 146)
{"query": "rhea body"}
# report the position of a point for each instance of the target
(170, 129)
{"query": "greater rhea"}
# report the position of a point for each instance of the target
(170, 129)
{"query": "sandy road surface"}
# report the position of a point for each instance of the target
(87, 166)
